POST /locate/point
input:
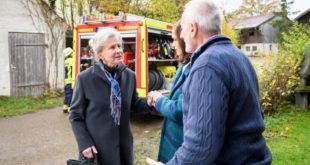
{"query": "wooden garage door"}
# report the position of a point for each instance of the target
(27, 61)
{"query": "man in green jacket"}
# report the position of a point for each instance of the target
(68, 78)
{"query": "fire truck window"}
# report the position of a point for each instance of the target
(160, 47)
(86, 56)
(129, 48)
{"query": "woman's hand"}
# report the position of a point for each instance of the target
(88, 152)
(153, 162)
(149, 99)
(152, 97)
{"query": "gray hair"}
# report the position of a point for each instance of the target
(205, 13)
(100, 38)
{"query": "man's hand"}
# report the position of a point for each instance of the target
(153, 162)
(88, 152)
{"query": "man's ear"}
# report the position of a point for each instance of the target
(194, 29)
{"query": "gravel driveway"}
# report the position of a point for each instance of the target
(46, 138)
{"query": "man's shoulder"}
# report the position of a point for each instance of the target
(223, 60)
(220, 56)
(69, 59)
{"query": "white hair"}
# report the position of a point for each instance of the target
(205, 13)
(100, 38)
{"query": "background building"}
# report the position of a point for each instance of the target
(31, 44)
(304, 17)
(257, 34)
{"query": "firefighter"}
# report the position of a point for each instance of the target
(68, 78)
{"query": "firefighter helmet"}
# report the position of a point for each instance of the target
(67, 52)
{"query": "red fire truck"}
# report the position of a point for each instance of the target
(147, 48)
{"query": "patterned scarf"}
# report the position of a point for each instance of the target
(115, 97)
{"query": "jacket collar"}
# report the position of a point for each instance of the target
(187, 70)
(98, 72)
(180, 78)
(208, 43)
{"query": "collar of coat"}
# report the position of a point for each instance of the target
(208, 43)
(98, 72)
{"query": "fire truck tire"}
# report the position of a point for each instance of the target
(160, 80)
(152, 80)
(156, 80)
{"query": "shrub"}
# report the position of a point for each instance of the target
(228, 30)
(280, 73)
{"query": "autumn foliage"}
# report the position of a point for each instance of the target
(280, 73)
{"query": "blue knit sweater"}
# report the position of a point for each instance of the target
(223, 121)
(171, 108)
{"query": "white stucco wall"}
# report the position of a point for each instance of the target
(14, 17)
(265, 48)
(4, 64)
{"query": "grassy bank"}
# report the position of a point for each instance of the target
(11, 106)
(288, 137)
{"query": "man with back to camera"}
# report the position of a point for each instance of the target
(223, 120)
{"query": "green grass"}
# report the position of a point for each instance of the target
(11, 106)
(147, 147)
(288, 137)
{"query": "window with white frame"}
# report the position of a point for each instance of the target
(247, 48)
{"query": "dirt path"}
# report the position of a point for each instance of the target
(46, 138)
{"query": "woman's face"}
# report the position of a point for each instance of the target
(177, 46)
(112, 52)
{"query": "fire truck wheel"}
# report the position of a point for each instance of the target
(161, 80)
(152, 80)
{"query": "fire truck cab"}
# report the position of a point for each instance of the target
(147, 47)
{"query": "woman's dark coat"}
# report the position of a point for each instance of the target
(90, 114)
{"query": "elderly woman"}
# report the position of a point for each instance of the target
(103, 97)
(171, 106)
